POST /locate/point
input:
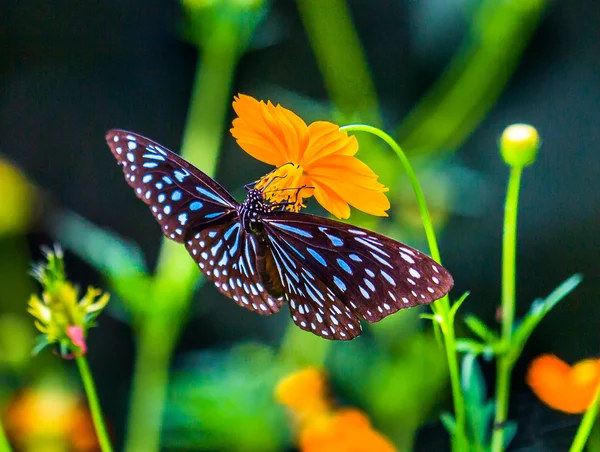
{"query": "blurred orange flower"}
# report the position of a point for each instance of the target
(563, 387)
(317, 159)
(49, 415)
(322, 427)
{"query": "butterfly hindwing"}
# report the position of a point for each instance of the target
(179, 195)
(226, 255)
(373, 275)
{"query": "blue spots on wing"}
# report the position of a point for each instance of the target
(210, 195)
(180, 175)
(176, 195)
(213, 215)
(336, 241)
(317, 256)
(196, 205)
(167, 180)
(160, 158)
(162, 197)
(150, 165)
(355, 258)
(344, 266)
(338, 282)
(183, 217)
(147, 178)
(294, 230)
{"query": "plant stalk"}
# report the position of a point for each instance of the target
(92, 396)
(509, 250)
(440, 307)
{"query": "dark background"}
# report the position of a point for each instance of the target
(72, 70)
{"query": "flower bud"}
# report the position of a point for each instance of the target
(519, 145)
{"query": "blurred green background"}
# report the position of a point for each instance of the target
(443, 76)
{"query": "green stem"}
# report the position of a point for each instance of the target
(341, 59)
(90, 390)
(155, 342)
(177, 274)
(583, 432)
(509, 250)
(441, 307)
(4, 444)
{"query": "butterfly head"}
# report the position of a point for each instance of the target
(252, 210)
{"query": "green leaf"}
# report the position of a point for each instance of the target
(480, 329)
(449, 422)
(472, 346)
(457, 304)
(539, 308)
(510, 430)
(41, 342)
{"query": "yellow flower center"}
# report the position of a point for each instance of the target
(286, 185)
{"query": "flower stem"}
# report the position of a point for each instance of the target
(4, 444)
(155, 342)
(441, 307)
(509, 249)
(583, 432)
(90, 390)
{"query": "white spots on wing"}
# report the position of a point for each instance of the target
(167, 209)
(435, 280)
(162, 197)
(435, 269)
(388, 278)
(357, 232)
(407, 258)
(405, 300)
(412, 281)
(147, 178)
(430, 290)
(182, 217)
(116, 138)
(414, 272)
(132, 145)
(364, 292)
(131, 157)
(369, 284)
(245, 300)
(369, 272)
(119, 149)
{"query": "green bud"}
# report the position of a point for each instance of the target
(519, 145)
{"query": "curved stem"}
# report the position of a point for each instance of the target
(441, 307)
(509, 250)
(583, 432)
(90, 390)
(4, 444)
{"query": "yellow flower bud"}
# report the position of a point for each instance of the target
(519, 145)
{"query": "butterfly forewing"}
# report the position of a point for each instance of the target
(179, 195)
(226, 254)
(373, 275)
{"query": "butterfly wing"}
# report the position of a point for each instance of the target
(226, 254)
(328, 267)
(179, 195)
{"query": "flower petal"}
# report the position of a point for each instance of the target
(330, 200)
(562, 387)
(272, 134)
(326, 138)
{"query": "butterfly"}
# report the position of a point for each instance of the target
(331, 274)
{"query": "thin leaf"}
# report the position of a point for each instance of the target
(538, 310)
(449, 422)
(457, 304)
(480, 329)
(510, 430)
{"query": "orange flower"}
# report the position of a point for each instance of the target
(317, 159)
(565, 388)
(321, 427)
(50, 414)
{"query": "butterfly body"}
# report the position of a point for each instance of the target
(331, 274)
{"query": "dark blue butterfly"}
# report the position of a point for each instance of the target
(331, 274)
